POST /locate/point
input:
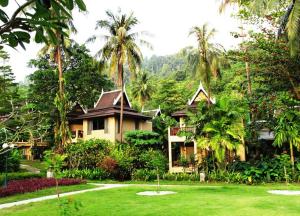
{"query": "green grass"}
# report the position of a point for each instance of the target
(44, 192)
(41, 165)
(189, 200)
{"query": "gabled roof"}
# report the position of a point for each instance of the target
(192, 104)
(109, 104)
(76, 111)
(152, 113)
(198, 92)
(111, 98)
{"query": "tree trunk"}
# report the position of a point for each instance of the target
(208, 95)
(120, 71)
(60, 72)
(292, 157)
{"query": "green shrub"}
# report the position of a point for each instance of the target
(125, 157)
(87, 154)
(19, 176)
(143, 139)
(91, 174)
(144, 175)
(181, 177)
(13, 161)
(152, 160)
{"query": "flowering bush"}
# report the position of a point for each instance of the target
(31, 185)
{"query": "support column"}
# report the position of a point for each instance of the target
(169, 150)
(195, 150)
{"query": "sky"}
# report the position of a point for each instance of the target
(168, 22)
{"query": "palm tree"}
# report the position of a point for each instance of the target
(288, 131)
(142, 88)
(224, 129)
(289, 22)
(207, 61)
(61, 44)
(120, 48)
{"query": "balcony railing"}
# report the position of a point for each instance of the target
(174, 131)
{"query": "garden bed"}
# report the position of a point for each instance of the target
(35, 184)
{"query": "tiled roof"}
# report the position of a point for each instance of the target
(112, 111)
(107, 99)
(108, 104)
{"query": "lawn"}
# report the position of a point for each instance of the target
(44, 192)
(189, 200)
(41, 165)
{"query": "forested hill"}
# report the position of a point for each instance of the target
(170, 64)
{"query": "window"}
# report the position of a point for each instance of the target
(98, 124)
(80, 134)
(73, 134)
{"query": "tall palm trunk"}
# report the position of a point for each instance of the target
(60, 72)
(121, 81)
(62, 120)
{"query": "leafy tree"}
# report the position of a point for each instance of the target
(288, 23)
(170, 96)
(38, 16)
(142, 88)
(83, 82)
(8, 87)
(120, 48)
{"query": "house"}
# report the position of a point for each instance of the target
(179, 145)
(103, 121)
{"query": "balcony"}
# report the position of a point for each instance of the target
(174, 131)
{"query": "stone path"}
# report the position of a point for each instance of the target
(23, 202)
(30, 168)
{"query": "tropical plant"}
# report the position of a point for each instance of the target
(44, 17)
(207, 61)
(120, 48)
(289, 22)
(55, 49)
(222, 127)
(288, 131)
(142, 88)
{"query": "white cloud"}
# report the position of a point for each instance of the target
(168, 20)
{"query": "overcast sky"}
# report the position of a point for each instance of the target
(169, 21)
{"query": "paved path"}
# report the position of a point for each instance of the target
(30, 168)
(23, 202)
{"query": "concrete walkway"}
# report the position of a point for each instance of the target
(23, 202)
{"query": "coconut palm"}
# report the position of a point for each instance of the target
(288, 131)
(289, 23)
(142, 88)
(120, 48)
(63, 42)
(208, 59)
